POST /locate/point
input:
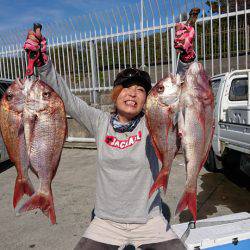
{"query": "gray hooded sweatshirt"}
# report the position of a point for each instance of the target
(126, 164)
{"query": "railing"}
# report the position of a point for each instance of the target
(137, 36)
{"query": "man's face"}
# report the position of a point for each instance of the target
(130, 102)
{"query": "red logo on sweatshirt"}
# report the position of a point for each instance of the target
(130, 141)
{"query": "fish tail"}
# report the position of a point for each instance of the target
(22, 186)
(42, 201)
(161, 181)
(188, 199)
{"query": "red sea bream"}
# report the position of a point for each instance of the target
(196, 127)
(12, 130)
(45, 130)
(161, 113)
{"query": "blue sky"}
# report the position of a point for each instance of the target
(17, 16)
(20, 13)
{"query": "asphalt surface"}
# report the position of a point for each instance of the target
(74, 193)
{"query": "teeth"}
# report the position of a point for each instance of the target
(130, 103)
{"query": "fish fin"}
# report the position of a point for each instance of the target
(161, 181)
(22, 186)
(175, 119)
(42, 201)
(66, 131)
(201, 119)
(34, 171)
(157, 151)
(20, 129)
(188, 199)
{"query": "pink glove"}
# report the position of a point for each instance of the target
(34, 42)
(184, 38)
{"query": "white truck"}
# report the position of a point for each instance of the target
(231, 140)
(4, 158)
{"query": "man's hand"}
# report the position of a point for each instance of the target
(37, 43)
(183, 42)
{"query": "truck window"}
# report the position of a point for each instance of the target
(215, 86)
(238, 90)
(3, 87)
(3, 153)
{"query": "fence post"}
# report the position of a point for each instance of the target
(173, 53)
(142, 38)
(93, 71)
(248, 100)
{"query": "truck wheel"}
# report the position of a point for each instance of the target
(245, 163)
(231, 160)
(210, 164)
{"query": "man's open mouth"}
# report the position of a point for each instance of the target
(130, 103)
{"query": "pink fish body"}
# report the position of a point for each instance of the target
(161, 114)
(12, 129)
(45, 129)
(196, 126)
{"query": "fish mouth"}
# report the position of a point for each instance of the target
(33, 105)
(20, 102)
(170, 100)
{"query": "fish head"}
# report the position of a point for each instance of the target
(41, 97)
(166, 91)
(14, 97)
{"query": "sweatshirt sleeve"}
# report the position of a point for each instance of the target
(182, 68)
(75, 107)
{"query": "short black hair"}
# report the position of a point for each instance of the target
(131, 75)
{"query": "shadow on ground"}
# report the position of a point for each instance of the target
(6, 165)
(229, 189)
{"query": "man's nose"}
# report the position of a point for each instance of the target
(132, 91)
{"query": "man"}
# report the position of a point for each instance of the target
(126, 164)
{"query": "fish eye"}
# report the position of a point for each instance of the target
(46, 94)
(9, 96)
(160, 89)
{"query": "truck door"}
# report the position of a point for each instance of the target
(235, 113)
(3, 152)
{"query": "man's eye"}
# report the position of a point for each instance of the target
(141, 89)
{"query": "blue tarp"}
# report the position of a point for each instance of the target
(241, 245)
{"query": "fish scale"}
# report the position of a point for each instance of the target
(46, 126)
(34, 126)
(196, 127)
(161, 107)
(11, 125)
(192, 105)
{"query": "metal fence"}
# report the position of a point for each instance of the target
(89, 51)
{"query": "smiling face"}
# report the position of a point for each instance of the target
(130, 102)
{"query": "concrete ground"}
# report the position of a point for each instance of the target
(74, 194)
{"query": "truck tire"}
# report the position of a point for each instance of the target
(210, 164)
(245, 163)
(231, 160)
